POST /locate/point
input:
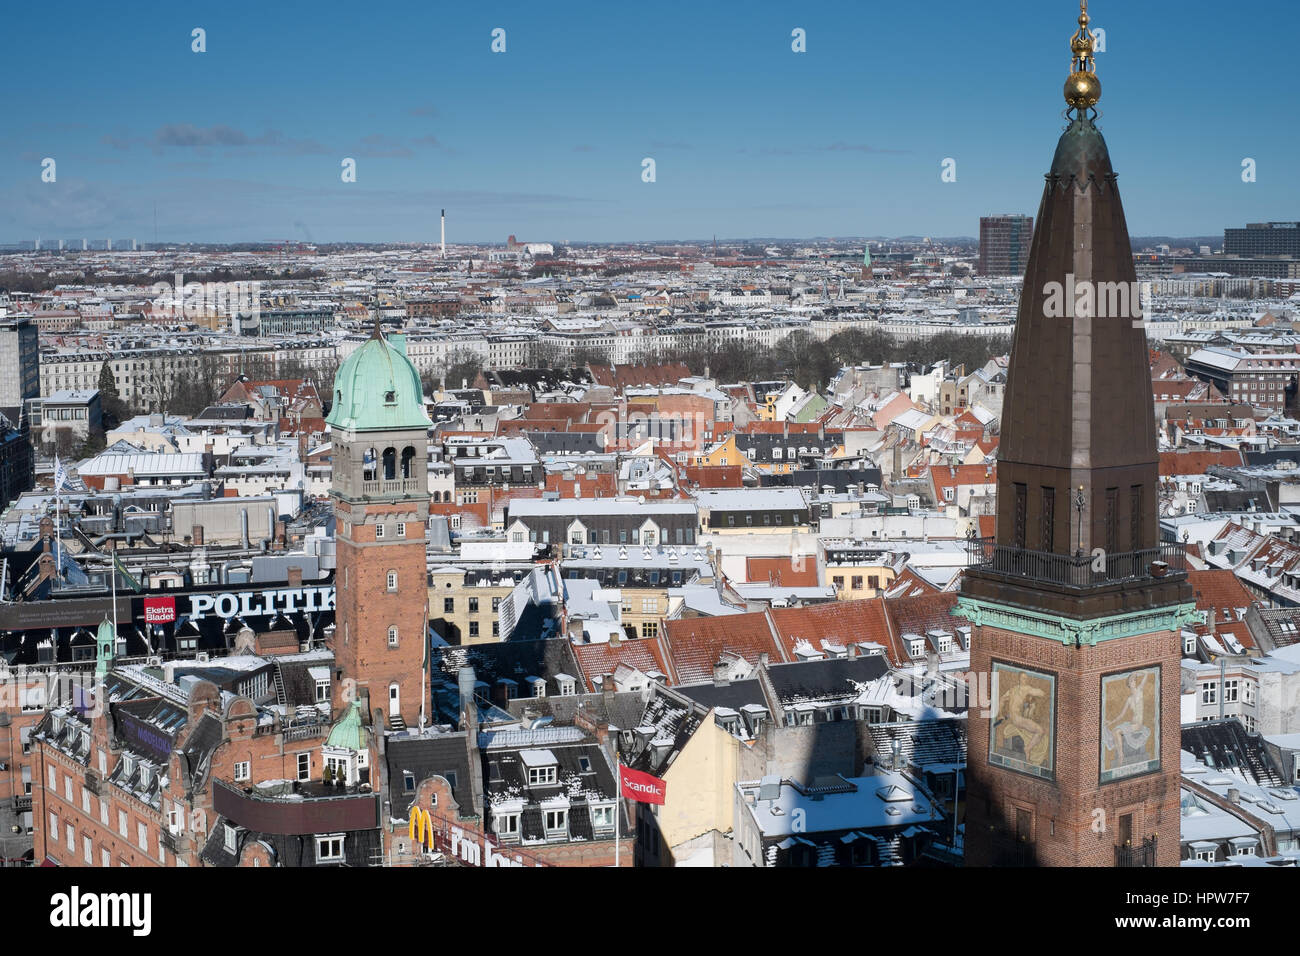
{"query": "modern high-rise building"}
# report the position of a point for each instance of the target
(1263, 239)
(1004, 245)
(1076, 605)
(380, 489)
(20, 369)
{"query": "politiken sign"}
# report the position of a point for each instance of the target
(262, 603)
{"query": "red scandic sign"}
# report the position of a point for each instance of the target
(159, 610)
(641, 786)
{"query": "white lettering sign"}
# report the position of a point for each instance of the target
(262, 603)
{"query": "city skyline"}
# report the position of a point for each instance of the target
(244, 142)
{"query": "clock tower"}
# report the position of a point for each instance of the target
(1076, 604)
(379, 436)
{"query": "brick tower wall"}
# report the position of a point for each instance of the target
(1074, 819)
(365, 608)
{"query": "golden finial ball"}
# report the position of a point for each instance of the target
(1082, 90)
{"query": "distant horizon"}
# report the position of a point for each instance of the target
(6, 249)
(548, 140)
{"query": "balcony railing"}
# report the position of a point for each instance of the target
(395, 486)
(305, 732)
(22, 802)
(1081, 569)
(1136, 854)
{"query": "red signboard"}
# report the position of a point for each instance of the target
(641, 786)
(159, 610)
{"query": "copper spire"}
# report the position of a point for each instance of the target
(1082, 89)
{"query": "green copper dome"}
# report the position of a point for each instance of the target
(348, 733)
(378, 387)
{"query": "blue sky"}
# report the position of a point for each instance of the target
(244, 141)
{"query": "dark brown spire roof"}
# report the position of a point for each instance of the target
(1078, 411)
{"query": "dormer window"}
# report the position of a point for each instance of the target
(916, 647)
(541, 776)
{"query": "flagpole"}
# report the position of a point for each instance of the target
(58, 521)
(618, 807)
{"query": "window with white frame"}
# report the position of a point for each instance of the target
(1210, 692)
(541, 776)
(392, 636)
(392, 580)
(1230, 691)
(304, 766)
(557, 819)
(230, 838)
(379, 531)
(507, 824)
(329, 849)
(649, 605)
(401, 529)
(602, 817)
(322, 689)
(241, 771)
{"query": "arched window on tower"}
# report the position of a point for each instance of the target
(390, 463)
(408, 460)
(368, 465)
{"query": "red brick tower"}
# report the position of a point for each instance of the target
(1076, 605)
(380, 450)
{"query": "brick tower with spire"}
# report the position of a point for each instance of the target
(379, 436)
(1076, 605)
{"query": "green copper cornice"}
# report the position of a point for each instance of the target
(1069, 630)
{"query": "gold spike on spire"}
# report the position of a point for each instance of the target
(1082, 89)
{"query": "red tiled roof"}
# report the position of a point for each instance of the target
(714, 476)
(645, 654)
(620, 377)
(910, 584)
(841, 622)
(782, 571)
(1222, 592)
(695, 644)
(916, 615)
(1196, 462)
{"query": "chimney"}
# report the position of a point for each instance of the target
(196, 535)
(1210, 620)
(1234, 796)
(762, 658)
(295, 576)
(607, 688)
(851, 651)
(720, 675)
(466, 679)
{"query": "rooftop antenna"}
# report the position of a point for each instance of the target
(444, 234)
